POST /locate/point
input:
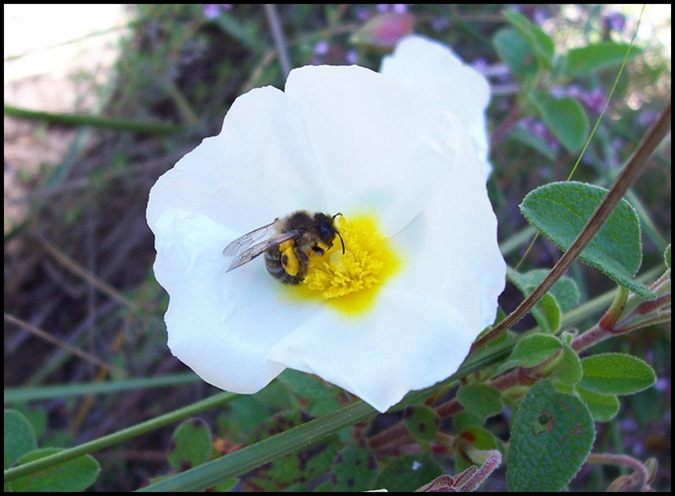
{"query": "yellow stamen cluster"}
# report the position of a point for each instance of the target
(367, 261)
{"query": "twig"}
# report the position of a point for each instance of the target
(279, 39)
(636, 165)
(76, 269)
(51, 339)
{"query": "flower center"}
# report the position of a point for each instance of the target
(351, 280)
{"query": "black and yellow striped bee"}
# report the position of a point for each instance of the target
(287, 243)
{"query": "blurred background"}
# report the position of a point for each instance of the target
(100, 100)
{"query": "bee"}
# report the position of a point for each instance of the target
(287, 243)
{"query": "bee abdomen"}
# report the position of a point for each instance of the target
(275, 266)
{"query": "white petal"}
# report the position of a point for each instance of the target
(370, 137)
(454, 245)
(427, 66)
(220, 324)
(426, 317)
(342, 138)
(403, 344)
(259, 167)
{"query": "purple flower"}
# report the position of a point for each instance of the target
(212, 10)
(321, 47)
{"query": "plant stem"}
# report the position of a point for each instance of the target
(636, 165)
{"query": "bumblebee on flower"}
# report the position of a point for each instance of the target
(287, 243)
(383, 299)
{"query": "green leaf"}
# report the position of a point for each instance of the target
(513, 49)
(534, 141)
(302, 466)
(317, 397)
(354, 469)
(246, 413)
(71, 476)
(560, 211)
(547, 313)
(190, 445)
(569, 369)
(306, 435)
(597, 56)
(422, 422)
(19, 437)
(565, 290)
(408, 472)
(548, 310)
(541, 44)
(551, 436)
(566, 119)
(474, 437)
(480, 399)
(466, 420)
(603, 407)
(296, 467)
(616, 373)
(531, 350)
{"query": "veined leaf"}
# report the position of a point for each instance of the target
(616, 373)
(596, 56)
(561, 210)
(551, 436)
(513, 49)
(566, 119)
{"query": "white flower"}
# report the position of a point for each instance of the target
(338, 139)
(460, 89)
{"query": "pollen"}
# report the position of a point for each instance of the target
(351, 280)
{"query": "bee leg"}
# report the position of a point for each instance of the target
(295, 262)
(303, 264)
(287, 263)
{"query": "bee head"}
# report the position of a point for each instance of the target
(325, 231)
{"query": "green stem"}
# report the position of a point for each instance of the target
(636, 165)
(93, 121)
(117, 437)
(23, 395)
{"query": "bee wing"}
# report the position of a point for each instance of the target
(243, 242)
(244, 251)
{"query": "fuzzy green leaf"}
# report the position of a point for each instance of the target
(540, 43)
(408, 472)
(480, 399)
(560, 211)
(191, 445)
(597, 56)
(603, 407)
(72, 476)
(551, 436)
(566, 119)
(616, 373)
(565, 290)
(531, 350)
(563, 296)
(422, 422)
(513, 49)
(569, 369)
(474, 438)
(19, 437)
(354, 469)
(548, 313)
